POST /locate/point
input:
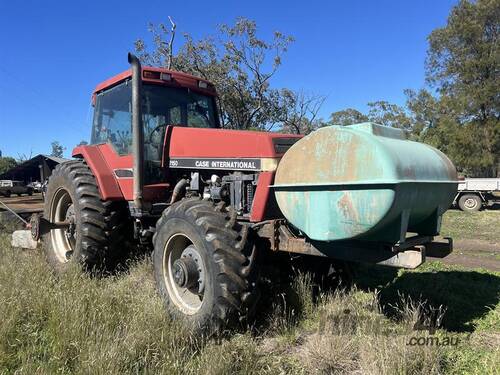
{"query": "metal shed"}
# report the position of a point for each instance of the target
(38, 168)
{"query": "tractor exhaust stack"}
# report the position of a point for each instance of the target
(137, 131)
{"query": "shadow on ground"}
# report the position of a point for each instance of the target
(466, 295)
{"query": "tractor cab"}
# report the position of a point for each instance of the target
(167, 98)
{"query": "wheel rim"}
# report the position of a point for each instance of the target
(470, 203)
(184, 273)
(63, 239)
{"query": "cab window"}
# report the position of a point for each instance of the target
(161, 106)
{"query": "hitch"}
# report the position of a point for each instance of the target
(39, 226)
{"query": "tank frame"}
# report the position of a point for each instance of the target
(410, 253)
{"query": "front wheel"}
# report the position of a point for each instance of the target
(204, 265)
(470, 202)
(94, 232)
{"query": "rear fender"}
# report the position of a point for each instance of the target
(106, 180)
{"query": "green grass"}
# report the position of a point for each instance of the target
(73, 323)
(482, 225)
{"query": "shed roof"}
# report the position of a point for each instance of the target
(30, 166)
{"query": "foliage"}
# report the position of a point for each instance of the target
(380, 112)
(388, 114)
(7, 163)
(82, 143)
(347, 117)
(462, 118)
(241, 65)
(298, 112)
(462, 63)
(57, 149)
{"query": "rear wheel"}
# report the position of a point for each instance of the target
(93, 232)
(204, 264)
(470, 202)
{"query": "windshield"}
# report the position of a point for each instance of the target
(161, 106)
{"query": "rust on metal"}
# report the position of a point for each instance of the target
(408, 254)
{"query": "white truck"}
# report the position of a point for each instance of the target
(475, 193)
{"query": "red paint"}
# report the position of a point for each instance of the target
(179, 79)
(116, 161)
(186, 142)
(106, 181)
(261, 198)
(103, 160)
(197, 142)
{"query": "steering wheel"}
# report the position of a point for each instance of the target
(157, 128)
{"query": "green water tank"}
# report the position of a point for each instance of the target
(366, 182)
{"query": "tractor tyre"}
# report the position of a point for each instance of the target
(205, 265)
(470, 203)
(94, 237)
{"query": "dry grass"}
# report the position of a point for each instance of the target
(73, 323)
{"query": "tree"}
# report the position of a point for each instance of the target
(298, 111)
(425, 111)
(388, 114)
(57, 149)
(347, 117)
(21, 158)
(239, 64)
(7, 163)
(380, 112)
(462, 64)
(82, 143)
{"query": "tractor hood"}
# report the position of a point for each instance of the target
(196, 148)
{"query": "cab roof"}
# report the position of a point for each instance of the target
(157, 76)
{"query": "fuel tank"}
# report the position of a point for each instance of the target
(365, 182)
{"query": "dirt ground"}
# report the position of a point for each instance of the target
(476, 239)
(24, 203)
(466, 254)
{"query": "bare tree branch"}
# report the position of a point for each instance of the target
(171, 43)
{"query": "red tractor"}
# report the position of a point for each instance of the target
(161, 173)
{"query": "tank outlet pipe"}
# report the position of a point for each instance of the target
(137, 131)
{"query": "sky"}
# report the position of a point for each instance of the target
(53, 54)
